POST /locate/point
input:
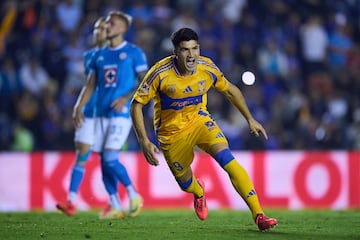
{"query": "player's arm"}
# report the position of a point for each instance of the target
(120, 102)
(235, 96)
(148, 148)
(84, 96)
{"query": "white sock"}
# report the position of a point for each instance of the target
(131, 191)
(72, 196)
(115, 202)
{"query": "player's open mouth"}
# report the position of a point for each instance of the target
(190, 62)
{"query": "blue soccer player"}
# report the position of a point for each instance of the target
(114, 70)
(179, 85)
(85, 135)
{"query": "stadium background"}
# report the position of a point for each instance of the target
(305, 55)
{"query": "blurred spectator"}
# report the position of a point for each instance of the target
(340, 44)
(232, 9)
(69, 14)
(185, 18)
(10, 85)
(28, 113)
(72, 53)
(33, 76)
(23, 139)
(8, 12)
(315, 42)
(272, 59)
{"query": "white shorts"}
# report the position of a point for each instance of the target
(86, 133)
(111, 133)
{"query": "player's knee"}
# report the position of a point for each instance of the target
(224, 157)
(82, 158)
(110, 155)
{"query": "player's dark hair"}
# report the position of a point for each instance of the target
(183, 34)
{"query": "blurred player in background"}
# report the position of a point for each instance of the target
(113, 70)
(85, 135)
(179, 86)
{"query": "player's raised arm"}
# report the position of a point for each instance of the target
(235, 96)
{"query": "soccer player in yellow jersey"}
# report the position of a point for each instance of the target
(179, 85)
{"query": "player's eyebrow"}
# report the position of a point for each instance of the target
(186, 48)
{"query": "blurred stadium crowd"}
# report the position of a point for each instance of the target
(305, 55)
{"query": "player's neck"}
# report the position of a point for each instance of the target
(101, 44)
(186, 73)
(116, 41)
(182, 70)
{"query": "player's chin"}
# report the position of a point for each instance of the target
(190, 67)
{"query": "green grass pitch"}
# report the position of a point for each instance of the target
(181, 225)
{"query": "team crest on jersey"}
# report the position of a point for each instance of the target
(122, 55)
(110, 75)
(201, 86)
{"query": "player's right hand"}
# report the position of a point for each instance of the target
(78, 117)
(149, 150)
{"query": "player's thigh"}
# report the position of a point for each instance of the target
(86, 133)
(118, 132)
(101, 126)
(211, 138)
(179, 156)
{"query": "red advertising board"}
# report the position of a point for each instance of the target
(283, 179)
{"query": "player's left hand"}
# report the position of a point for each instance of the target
(256, 128)
(119, 103)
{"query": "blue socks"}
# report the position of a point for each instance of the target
(110, 181)
(76, 177)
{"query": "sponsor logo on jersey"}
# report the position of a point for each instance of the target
(171, 88)
(185, 102)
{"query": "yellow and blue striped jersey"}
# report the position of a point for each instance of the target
(178, 100)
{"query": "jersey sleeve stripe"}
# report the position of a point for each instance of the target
(213, 76)
(211, 65)
(161, 69)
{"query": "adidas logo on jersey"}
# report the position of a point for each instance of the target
(188, 89)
